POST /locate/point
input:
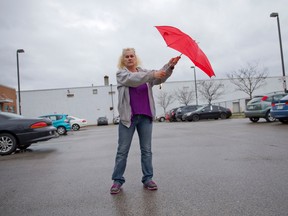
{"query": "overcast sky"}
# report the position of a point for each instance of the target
(72, 43)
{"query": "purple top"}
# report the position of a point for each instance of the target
(139, 100)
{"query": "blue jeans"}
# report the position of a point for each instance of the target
(143, 125)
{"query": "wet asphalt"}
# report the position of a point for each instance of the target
(207, 168)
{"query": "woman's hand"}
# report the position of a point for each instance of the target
(174, 61)
(161, 73)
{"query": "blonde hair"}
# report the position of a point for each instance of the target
(121, 58)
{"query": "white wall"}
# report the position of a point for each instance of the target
(84, 104)
(90, 106)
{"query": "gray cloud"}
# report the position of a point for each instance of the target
(73, 43)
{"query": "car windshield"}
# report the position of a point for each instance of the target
(200, 108)
(255, 100)
(277, 98)
(285, 98)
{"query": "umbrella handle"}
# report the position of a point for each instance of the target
(169, 65)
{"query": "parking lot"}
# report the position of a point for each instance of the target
(207, 168)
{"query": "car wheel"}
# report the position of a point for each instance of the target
(75, 127)
(162, 119)
(8, 144)
(254, 119)
(269, 118)
(195, 118)
(223, 115)
(61, 130)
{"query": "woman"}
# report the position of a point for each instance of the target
(136, 109)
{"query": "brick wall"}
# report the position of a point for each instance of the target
(8, 99)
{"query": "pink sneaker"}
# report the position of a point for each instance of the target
(150, 185)
(116, 188)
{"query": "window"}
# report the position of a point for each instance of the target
(69, 94)
(207, 108)
(53, 118)
(59, 117)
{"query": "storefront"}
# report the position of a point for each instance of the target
(7, 99)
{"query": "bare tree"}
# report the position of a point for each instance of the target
(184, 96)
(165, 99)
(248, 79)
(211, 90)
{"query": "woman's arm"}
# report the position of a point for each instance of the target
(127, 78)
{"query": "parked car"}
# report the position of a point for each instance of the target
(208, 112)
(102, 121)
(167, 116)
(17, 131)
(60, 121)
(160, 118)
(116, 120)
(260, 106)
(77, 123)
(279, 110)
(172, 114)
(185, 109)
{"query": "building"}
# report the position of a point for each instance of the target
(8, 99)
(95, 101)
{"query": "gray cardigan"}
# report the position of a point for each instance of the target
(126, 79)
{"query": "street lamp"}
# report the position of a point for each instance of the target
(280, 41)
(18, 77)
(195, 84)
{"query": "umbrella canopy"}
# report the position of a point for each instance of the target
(183, 43)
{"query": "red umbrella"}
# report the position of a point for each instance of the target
(183, 43)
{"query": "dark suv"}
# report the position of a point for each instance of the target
(259, 106)
(172, 114)
(185, 109)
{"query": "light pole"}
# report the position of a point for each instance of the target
(281, 51)
(195, 84)
(18, 77)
